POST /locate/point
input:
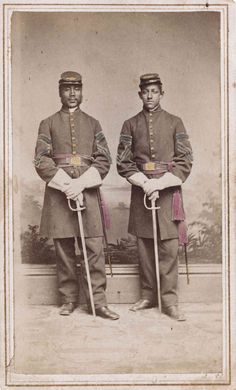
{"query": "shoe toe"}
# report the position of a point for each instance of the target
(105, 312)
(141, 305)
(174, 313)
(67, 309)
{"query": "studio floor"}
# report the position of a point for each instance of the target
(141, 342)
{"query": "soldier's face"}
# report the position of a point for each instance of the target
(151, 96)
(71, 95)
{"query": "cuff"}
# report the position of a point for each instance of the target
(91, 178)
(138, 179)
(59, 180)
(169, 180)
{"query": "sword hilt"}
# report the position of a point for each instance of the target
(153, 207)
(78, 206)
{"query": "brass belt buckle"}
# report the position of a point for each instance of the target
(150, 166)
(75, 160)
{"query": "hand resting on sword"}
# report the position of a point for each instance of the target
(73, 188)
(154, 196)
(151, 187)
(89, 179)
(165, 181)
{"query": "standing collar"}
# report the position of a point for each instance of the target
(156, 110)
(67, 110)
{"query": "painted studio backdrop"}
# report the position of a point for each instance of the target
(111, 51)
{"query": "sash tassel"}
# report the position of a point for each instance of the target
(178, 215)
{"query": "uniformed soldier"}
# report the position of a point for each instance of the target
(155, 156)
(72, 157)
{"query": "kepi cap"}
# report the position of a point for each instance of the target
(149, 78)
(70, 77)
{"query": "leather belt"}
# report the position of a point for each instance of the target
(68, 160)
(156, 167)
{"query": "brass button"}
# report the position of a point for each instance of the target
(150, 120)
(73, 151)
(151, 140)
(153, 155)
(152, 148)
(151, 133)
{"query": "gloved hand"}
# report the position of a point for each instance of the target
(166, 181)
(79, 202)
(61, 181)
(80, 199)
(89, 179)
(151, 186)
(154, 196)
(74, 188)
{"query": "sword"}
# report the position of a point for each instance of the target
(186, 263)
(154, 223)
(81, 228)
(104, 231)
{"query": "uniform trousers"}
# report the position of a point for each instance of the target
(67, 270)
(168, 267)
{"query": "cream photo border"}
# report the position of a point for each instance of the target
(222, 380)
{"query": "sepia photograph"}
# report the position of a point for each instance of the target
(118, 207)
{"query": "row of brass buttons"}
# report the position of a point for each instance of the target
(72, 128)
(151, 136)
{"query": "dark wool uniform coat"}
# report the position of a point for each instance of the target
(60, 134)
(153, 136)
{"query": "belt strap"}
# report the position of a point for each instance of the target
(156, 167)
(68, 160)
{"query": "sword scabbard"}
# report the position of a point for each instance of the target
(104, 232)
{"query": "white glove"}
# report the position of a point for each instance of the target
(60, 180)
(154, 196)
(80, 199)
(138, 179)
(89, 179)
(151, 186)
(166, 181)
